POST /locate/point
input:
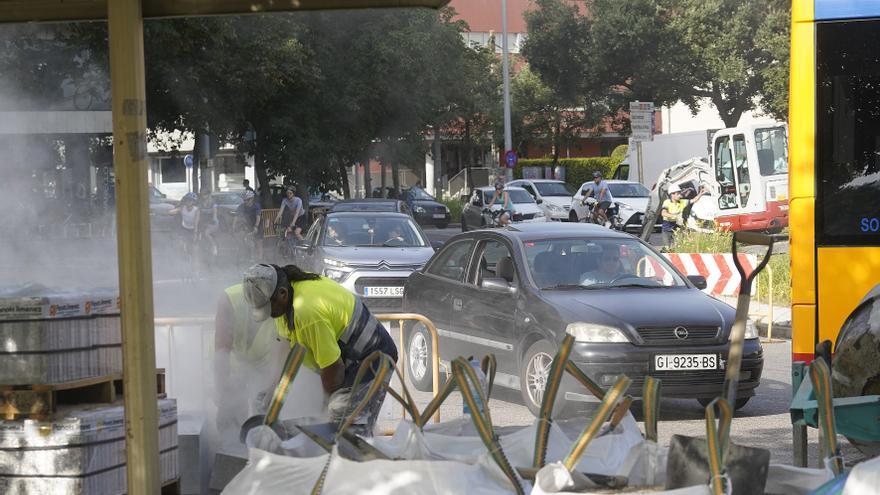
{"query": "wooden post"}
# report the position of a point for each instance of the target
(133, 241)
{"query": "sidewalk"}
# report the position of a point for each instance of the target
(759, 312)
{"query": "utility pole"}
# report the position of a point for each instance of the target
(505, 68)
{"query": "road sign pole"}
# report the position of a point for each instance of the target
(505, 68)
(641, 166)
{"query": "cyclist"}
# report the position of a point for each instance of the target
(248, 216)
(506, 204)
(209, 222)
(599, 189)
(189, 220)
(291, 217)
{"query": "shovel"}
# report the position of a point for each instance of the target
(291, 367)
(743, 467)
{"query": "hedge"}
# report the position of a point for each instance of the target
(577, 170)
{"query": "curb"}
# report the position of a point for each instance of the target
(780, 330)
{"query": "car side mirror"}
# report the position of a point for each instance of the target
(698, 280)
(539, 201)
(436, 245)
(497, 284)
(477, 202)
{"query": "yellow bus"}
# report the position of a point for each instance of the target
(834, 152)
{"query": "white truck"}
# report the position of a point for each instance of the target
(747, 178)
(659, 154)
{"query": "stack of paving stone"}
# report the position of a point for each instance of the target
(81, 451)
(51, 338)
(56, 337)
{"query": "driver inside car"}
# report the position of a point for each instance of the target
(608, 269)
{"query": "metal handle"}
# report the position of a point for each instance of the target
(754, 239)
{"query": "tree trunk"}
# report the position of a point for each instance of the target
(197, 159)
(383, 193)
(343, 173)
(727, 110)
(260, 172)
(438, 164)
(557, 126)
(368, 177)
(395, 175)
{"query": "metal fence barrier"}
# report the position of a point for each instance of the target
(435, 348)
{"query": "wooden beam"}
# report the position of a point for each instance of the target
(82, 10)
(126, 29)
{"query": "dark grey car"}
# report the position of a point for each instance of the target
(516, 292)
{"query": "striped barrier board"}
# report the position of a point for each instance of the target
(722, 278)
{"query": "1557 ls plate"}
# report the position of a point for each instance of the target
(383, 291)
(683, 362)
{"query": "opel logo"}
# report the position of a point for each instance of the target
(680, 333)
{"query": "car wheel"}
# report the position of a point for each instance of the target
(534, 375)
(739, 404)
(418, 358)
(441, 225)
(573, 216)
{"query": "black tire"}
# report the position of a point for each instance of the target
(739, 404)
(545, 352)
(573, 216)
(418, 358)
(441, 225)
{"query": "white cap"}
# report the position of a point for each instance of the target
(673, 189)
(259, 285)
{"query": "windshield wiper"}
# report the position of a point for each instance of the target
(564, 287)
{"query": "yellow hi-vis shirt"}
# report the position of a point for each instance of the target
(252, 343)
(675, 208)
(322, 310)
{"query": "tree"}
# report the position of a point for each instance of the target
(775, 35)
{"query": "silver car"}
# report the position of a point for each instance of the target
(369, 253)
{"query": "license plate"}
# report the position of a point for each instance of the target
(679, 362)
(383, 291)
(439, 215)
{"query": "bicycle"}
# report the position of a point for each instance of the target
(246, 246)
(286, 245)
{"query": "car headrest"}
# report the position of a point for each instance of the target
(505, 269)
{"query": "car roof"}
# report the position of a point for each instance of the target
(614, 181)
(370, 204)
(541, 180)
(492, 188)
(549, 230)
(372, 214)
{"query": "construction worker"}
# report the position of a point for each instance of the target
(248, 357)
(672, 211)
(334, 326)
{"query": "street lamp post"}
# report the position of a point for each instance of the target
(505, 68)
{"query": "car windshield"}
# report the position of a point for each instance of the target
(554, 189)
(372, 231)
(634, 190)
(367, 206)
(558, 264)
(519, 196)
(420, 194)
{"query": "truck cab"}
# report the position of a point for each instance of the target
(750, 164)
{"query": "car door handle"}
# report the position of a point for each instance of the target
(456, 304)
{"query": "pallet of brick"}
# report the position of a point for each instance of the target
(80, 451)
(40, 401)
(49, 336)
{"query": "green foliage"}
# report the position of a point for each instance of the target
(577, 170)
(689, 241)
(619, 153)
(455, 206)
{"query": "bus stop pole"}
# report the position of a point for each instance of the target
(126, 25)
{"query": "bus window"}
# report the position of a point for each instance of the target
(772, 151)
(741, 158)
(848, 126)
(724, 173)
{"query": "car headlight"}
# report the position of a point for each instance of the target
(595, 333)
(335, 275)
(447, 209)
(624, 206)
(419, 209)
(751, 330)
(334, 263)
(555, 208)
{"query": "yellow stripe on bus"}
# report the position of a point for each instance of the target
(845, 275)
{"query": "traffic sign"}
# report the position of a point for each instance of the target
(641, 117)
(188, 161)
(510, 158)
